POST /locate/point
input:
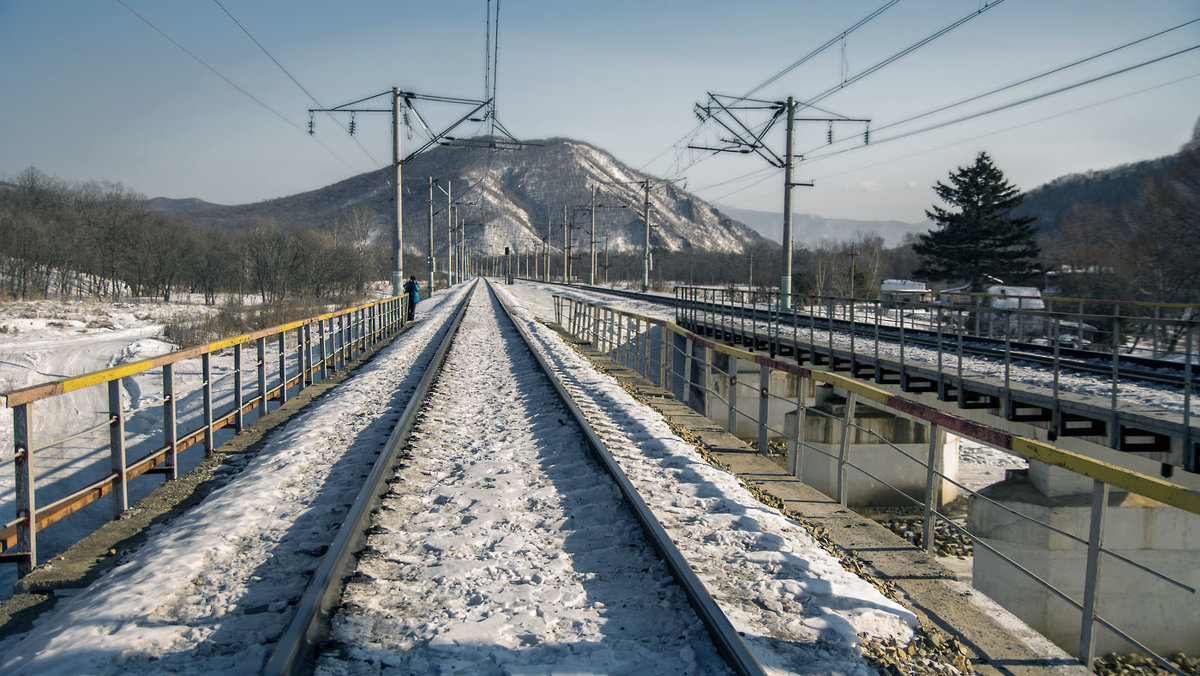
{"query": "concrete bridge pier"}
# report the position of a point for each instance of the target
(816, 460)
(1165, 539)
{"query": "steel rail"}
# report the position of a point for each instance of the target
(727, 640)
(1134, 367)
(295, 651)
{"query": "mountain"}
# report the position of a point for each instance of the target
(1113, 189)
(809, 229)
(181, 207)
(511, 196)
(1108, 188)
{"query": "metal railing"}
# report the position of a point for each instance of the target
(227, 385)
(945, 336)
(683, 363)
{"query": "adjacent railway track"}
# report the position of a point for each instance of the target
(375, 596)
(742, 321)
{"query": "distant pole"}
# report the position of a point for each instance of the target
(398, 233)
(566, 249)
(592, 246)
(785, 282)
(646, 257)
(547, 248)
(449, 232)
(429, 261)
(606, 259)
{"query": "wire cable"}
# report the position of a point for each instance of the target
(1013, 127)
(231, 83)
(846, 82)
(1026, 80)
(832, 41)
(1012, 104)
(295, 81)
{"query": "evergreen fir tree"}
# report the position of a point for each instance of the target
(981, 238)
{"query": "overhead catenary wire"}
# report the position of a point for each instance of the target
(1011, 104)
(690, 135)
(898, 55)
(230, 82)
(832, 41)
(1011, 128)
(349, 130)
(1027, 80)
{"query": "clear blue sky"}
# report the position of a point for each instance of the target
(89, 91)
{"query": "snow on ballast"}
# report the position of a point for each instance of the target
(502, 545)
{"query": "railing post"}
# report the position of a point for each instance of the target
(322, 350)
(1091, 583)
(206, 367)
(170, 424)
(239, 421)
(764, 402)
(933, 485)
(260, 348)
(637, 341)
(282, 368)
(304, 356)
(842, 487)
(662, 356)
(116, 445)
(690, 355)
(795, 458)
(732, 421)
(26, 505)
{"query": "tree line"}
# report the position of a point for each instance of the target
(102, 240)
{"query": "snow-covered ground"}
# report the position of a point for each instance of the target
(210, 592)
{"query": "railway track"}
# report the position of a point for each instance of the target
(497, 540)
(1094, 362)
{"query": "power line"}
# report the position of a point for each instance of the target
(1014, 104)
(1029, 79)
(293, 79)
(231, 83)
(832, 41)
(1017, 126)
(691, 135)
(901, 54)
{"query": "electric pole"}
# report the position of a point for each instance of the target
(789, 159)
(592, 246)
(566, 249)
(646, 246)
(449, 233)
(400, 100)
(548, 226)
(429, 260)
(723, 110)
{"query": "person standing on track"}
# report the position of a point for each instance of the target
(413, 289)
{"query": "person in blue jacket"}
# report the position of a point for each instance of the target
(413, 289)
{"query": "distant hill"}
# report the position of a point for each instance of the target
(182, 207)
(809, 229)
(1109, 188)
(512, 196)
(1113, 189)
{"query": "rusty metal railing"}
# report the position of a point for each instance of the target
(283, 360)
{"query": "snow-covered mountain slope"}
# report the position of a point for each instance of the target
(508, 198)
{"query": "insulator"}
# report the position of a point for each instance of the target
(353, 125)
(829, 134)
(867, 137)
(311, 125)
